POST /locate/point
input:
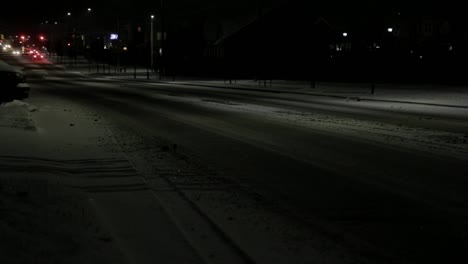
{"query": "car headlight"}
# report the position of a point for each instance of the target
(20, 77)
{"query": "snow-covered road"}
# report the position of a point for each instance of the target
(251, 176)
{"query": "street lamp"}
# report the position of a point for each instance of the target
(390, 30)
(152, 51)
(68, 14)
(345, 34)
(89, 9)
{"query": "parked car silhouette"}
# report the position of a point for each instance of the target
(12, 82)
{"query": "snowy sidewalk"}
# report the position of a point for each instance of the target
(55, 154)
(436, 95)
(424, 94)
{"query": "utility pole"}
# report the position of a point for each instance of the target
(152, 46)
(259, 63)
(162, 50)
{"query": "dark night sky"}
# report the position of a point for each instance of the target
(31, 13)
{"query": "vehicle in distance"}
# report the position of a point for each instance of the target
(38, 56)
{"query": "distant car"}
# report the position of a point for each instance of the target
(6, 47)
(25, 52)
(12, 82)
(37, 56)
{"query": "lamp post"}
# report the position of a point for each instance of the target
(70, 22)
(70, 30)
(152, 49)
(86, 36)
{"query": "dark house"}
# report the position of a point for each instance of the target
(279, 42)
(300, 39)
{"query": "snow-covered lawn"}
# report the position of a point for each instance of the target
(42, 220)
